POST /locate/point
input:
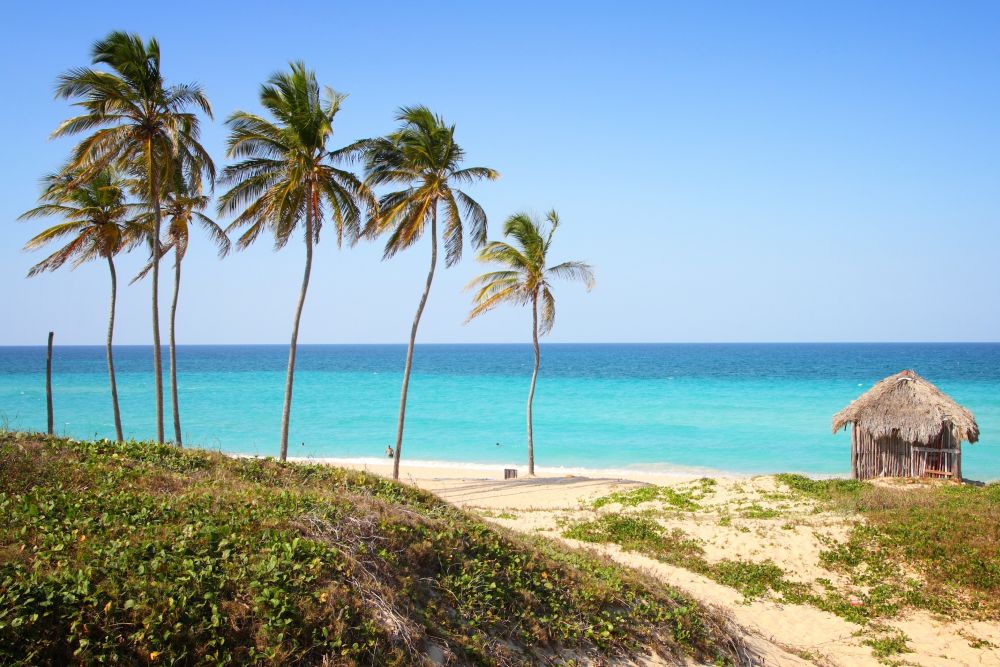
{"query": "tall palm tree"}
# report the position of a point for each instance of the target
(526, 281)
(96, 223)
(182, 205)
(287, 176)
(422, 156)
(137, 123)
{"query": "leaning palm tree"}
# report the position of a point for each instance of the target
(422, 156)
(96, 223)
(288, 176)
(526, 281)
(137, 123)
(182, 205)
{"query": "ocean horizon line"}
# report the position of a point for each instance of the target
(524, 344)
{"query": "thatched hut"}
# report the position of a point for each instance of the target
(906, 427)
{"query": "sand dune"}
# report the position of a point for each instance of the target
(784, 633)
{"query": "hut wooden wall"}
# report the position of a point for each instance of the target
(883, 457)
(893, 457)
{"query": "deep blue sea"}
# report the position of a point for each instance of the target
(747, 408)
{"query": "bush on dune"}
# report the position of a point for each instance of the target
(136, 553)
(949, 533)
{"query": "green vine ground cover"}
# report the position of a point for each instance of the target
(142, 554)
(948, 534)
(935, 548)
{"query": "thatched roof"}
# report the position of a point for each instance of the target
(910, 407)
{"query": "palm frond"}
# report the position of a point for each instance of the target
(470, 175)
(526, 258)
(547, 314)
(578, 271)
(452, 230)
(286, 171)
(490, 277)
(56, 232)
(164, 250)
(475, 216)
(422, 155)
(218, 235)
(502, 294)
(408, 228)
(61, 256)
(503, 253)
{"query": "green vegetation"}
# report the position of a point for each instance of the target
(756, 511)
(683, 499)
(523, 280)
(752, 579)
(646, 536)
(821, 489)
(755, 580)
(496, 515)
(979, 642)
(887, 643)
(949, 534)
(639, 534)
(137, 553)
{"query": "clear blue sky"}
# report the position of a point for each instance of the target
(766, 171)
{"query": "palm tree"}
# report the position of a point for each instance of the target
(423, 157)
(182, 205)
(95, 220)
(526, 281)
(139, 124)
(287, 175)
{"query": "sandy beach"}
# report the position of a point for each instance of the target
(741, 517)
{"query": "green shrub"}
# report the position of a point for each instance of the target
(136, 553)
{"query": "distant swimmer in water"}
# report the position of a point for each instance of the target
(499, 445)
(388, 451)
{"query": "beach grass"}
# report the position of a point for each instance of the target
(139, 553)
(904, 547)
(947, 533)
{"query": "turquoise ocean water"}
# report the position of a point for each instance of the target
(744, 408)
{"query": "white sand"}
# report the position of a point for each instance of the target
(781, 632)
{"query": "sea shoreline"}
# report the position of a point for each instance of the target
(706, 410)
(430, 469)
(422, 469)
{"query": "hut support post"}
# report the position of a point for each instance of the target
(48, 382)
(854, 451)
(956, 443)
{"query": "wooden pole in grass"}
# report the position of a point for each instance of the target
(48, 381)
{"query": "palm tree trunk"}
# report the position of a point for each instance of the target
(413, 338)
(154, 195)
(534, 377)
(111, 361)
(286, 410)
(173, 350)
(48, 385)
